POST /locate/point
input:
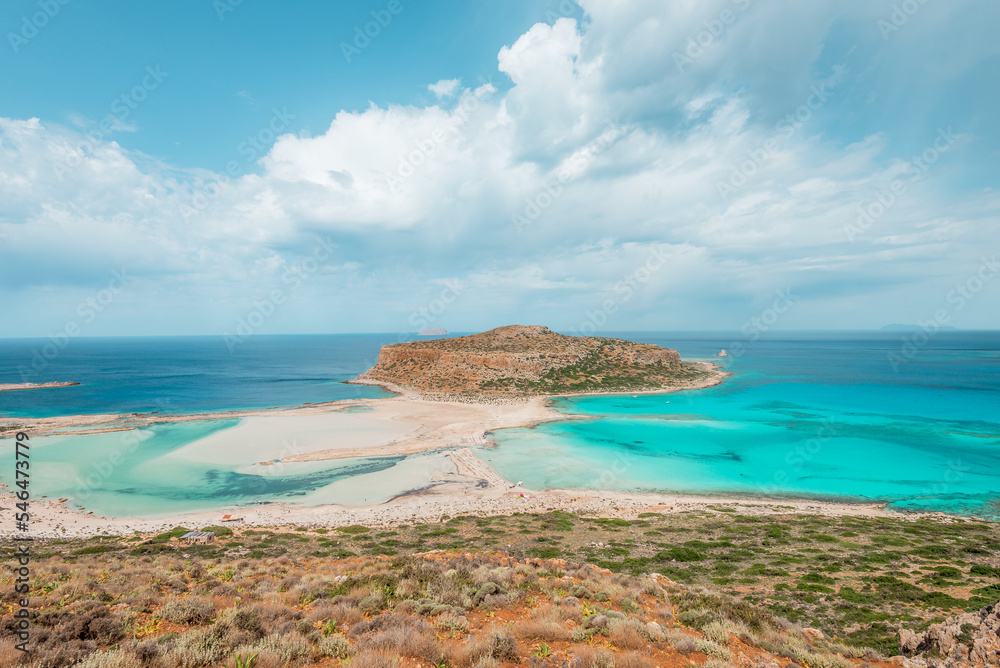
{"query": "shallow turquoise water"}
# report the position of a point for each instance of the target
(811, 415)
(800, 418)
(124, 474)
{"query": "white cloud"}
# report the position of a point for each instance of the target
(606, 147)
(444, 88)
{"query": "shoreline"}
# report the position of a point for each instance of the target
(471, 488)
(716, 376)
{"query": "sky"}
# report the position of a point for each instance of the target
(247, 167)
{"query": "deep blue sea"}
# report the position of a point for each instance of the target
(185, 374)
(840, 415)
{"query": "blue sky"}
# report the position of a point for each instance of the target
(201, 167)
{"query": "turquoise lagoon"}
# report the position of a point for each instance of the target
(804, 417)
(811, 415)
(139, 474)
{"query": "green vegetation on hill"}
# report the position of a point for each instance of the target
(856, 579)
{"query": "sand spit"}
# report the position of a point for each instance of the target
(436, 423)
(13, 387)
(461, 484)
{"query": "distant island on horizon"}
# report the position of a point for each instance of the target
(914, 328)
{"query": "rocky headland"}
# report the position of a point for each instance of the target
(518, 361)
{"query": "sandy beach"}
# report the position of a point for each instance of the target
(464, 486)
(451, 481)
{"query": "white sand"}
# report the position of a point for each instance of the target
(264, 439)
(452, 483)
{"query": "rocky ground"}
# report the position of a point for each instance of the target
(840, 590)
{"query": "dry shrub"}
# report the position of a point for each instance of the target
(632, 660)
(190, 610)
(538, 629)
(367, 659)
(452, 623)
(499, 600)
(198, 647)
(88, 621)
(321, 610)
(221, 602)
(272, 616)
(353, 597)
(284, 648)
(717, 633)
(112, 658)
(406, 607)
(498, 644)
(333, 646)
(547, 613)
(144, 597)
(588, 657)
(664, 613)
(401, 635)
(628, 635)
(683, 643)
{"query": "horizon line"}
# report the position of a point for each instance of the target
(900, 330)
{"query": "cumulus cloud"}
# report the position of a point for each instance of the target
(444, 88)
(707, 135)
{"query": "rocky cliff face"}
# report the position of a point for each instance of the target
(970, 639)
(524, 360)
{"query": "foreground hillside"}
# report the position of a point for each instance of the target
(528, 361)
(732, 590)
(430, 610)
